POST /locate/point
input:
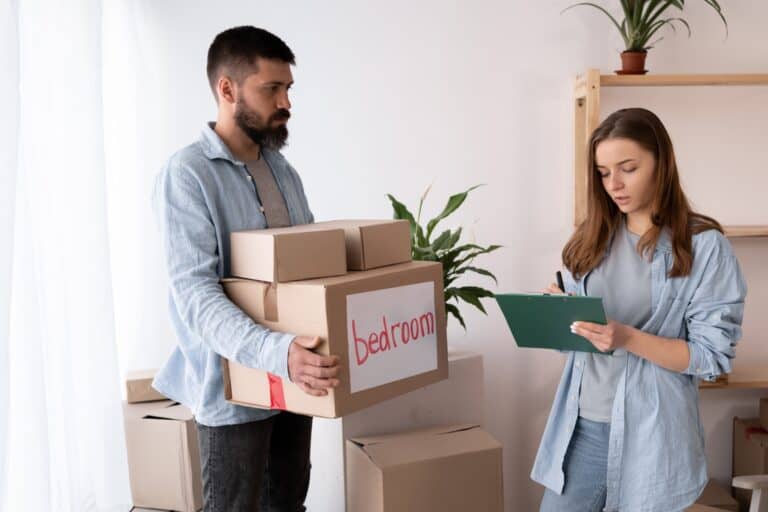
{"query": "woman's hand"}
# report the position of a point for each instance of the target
(553, 289)
(605, 337)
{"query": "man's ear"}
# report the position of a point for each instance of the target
(225, 88)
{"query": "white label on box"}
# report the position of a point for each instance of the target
(392, 334)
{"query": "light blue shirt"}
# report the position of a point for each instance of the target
(202, 195)
(656, 459)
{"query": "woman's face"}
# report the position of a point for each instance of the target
(627, 172)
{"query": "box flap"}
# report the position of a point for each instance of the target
(140, 409)
(174, 411)
(165, 410)
(430, 431)
(410, 447)
(258, 299)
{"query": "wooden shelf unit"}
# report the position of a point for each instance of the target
(755, 378)
(587, 117)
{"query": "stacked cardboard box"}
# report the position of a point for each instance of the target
(386, 322)
(453, 468)
(138, 387)
(457, 400)
(163, 454)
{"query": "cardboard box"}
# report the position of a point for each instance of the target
(138, 387)
(750, 454)
(718, 497)
(163, 456)
(374, 243)
(288, 254)
(449, 469)
(458, 400)
(764, 413)
(387, 325)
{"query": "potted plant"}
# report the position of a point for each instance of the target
(642, 20)
(457, 260)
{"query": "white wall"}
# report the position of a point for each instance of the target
(395, 96)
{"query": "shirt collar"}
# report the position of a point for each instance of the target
(214, 148)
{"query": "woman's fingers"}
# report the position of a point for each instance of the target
(552, 289)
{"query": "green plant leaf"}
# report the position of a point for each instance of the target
(440, 242)
(453, 240)
(476, 270)
(453, 204)
(602, 9)
(477, 253)
(444, 249)
(401, 212)
(471, 295)
(453, 310)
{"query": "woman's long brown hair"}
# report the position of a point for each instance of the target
(670, 207)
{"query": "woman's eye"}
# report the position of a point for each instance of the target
(604, 174)
(633, 169)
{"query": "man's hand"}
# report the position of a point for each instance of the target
(604, 337)
(313, 373)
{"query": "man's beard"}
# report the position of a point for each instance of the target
(264, 134)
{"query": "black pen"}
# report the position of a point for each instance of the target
(560, 284)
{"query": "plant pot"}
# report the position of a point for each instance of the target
(633, 63)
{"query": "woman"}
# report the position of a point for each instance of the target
(624, 432)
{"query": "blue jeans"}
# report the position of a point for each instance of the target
(258, 466)
(585, 468)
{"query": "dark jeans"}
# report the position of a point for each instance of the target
(259, 466)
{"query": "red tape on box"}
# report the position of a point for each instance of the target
(276, 394)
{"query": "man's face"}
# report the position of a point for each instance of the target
(262, 106)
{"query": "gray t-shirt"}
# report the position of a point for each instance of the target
(623, 280)
(272, 201)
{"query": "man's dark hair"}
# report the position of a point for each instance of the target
(234, 53)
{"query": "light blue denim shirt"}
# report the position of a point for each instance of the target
(201, 195)
(656, 459)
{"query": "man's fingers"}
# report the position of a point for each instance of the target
(321, 372)
(320, 384)
(310, 390)
(310, 358)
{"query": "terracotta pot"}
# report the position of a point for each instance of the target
(633, 63)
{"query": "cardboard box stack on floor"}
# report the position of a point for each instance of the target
(385, 320)
(163, 454)
(452, 468)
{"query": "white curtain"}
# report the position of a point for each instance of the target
(61, 438)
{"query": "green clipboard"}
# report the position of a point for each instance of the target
(544, 321)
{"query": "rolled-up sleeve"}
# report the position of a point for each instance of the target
(191, 250)
(713, 317)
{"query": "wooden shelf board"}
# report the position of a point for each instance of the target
(753, 378)
(746, 231)
(682, 80)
